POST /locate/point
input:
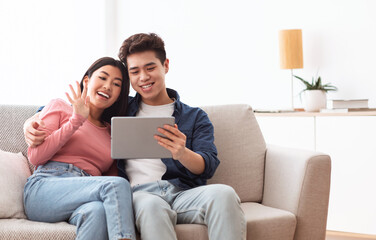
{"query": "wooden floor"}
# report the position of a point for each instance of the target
(333, 235)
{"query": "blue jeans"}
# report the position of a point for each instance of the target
(100, 207)
(159, 206)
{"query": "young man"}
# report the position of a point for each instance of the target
(174, 190)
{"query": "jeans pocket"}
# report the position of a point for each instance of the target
(50, 172)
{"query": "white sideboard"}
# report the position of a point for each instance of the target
(350, 140)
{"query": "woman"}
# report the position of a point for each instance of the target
(67, 184)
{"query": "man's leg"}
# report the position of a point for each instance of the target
(217, 206)
(154, 217)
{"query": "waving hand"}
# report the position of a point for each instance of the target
(80, 101)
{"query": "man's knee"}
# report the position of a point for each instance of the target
(222, 194)
(146, 204)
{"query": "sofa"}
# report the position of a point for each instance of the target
(284, 192)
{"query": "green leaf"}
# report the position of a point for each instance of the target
(316, 85)
(307, 84)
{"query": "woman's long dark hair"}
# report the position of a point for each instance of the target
(119, 108)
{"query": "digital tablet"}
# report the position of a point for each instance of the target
(133, 137)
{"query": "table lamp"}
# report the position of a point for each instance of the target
(291, 53)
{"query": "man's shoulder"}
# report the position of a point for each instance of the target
(187, 109)
(193, 116)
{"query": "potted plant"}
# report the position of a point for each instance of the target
(315, 93)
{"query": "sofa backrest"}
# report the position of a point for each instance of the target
(241, 150)
(241, 146)
(11, 127)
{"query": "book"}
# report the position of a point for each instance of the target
(346, 110)
(350, 103)
(273, 110)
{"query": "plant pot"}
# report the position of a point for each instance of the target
(314, 100)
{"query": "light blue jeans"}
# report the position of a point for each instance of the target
(159, 206)
(100, 207)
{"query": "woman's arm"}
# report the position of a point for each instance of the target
(56, 135)
(59, 130)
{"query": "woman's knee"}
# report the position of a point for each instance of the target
(90, 210)
(121, 182)
(121, 185)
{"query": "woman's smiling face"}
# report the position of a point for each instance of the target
(104, 86)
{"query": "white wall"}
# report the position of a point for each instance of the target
(45, 45)
(227, 51)
(220, 52)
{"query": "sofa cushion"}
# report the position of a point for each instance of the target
(267, 223)
(241, 150)
(14, 172)
(19, 229)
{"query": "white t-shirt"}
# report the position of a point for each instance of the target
(140, 171)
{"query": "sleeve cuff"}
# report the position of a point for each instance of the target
(77, 120)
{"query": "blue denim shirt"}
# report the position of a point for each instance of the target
(195, 124)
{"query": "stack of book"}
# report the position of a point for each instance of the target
(344, 106)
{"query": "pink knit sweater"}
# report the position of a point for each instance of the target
(72, 139)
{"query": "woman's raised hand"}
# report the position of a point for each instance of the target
(80, 101)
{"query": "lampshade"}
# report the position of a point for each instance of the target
(290, 48)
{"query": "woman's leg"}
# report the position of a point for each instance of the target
(54, 199)
(88, 217)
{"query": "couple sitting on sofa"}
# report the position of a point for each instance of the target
(68, 143)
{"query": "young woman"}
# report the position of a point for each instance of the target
(67, 184)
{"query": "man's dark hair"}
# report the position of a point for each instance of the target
(142, 42)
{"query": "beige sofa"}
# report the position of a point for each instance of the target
(284, 192)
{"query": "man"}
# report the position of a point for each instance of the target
(174, 190)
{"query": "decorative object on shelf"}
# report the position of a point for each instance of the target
(315, 93)
(348, 103)
(346, 110)
(291, 53)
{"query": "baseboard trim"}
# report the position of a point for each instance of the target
(346, 235)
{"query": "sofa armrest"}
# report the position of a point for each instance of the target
(299, 181)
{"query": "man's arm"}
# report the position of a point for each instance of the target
(202, 143)
(34, 137)
(175, 143)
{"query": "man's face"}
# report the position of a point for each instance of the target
(147, 77)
